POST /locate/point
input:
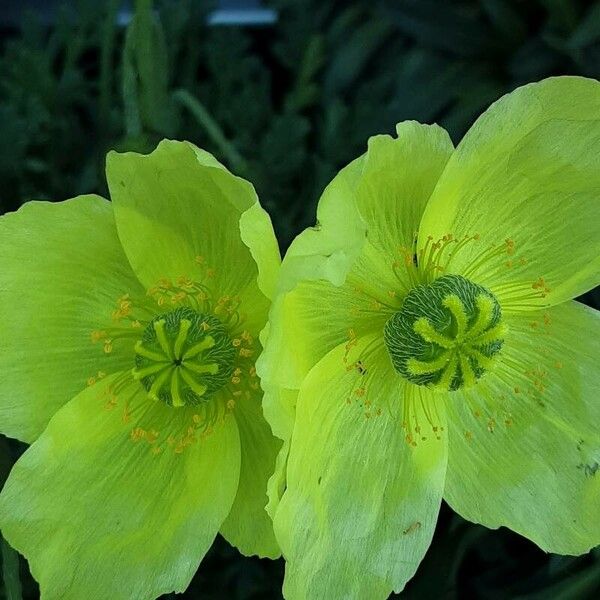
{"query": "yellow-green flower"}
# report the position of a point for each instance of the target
(128, 335)
(425, 345)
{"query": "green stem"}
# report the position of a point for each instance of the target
(212, 128)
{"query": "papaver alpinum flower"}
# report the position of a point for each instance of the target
(425, 345)
(128, 337)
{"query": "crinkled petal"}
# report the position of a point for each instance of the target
(180, 213)
(524, 447)
(528, 171)
(340, 275)
(117, 498)
(361, 503)
(62, 269)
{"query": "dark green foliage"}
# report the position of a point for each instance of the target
(285, 107)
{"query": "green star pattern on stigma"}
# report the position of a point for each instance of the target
(184, 357)
(446, 334)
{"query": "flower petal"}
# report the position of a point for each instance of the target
(399, 176)
(61, 273)
(361, 504)
(340, 275)
(99, 514)
(180, 213)
(527, 171)
(524, 445)
(248, 526)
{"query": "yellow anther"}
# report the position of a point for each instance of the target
(231, 404)
(184, 281)
(108, 347)
(246, 353)
(178, 297)
(98, 335)
(236, 342)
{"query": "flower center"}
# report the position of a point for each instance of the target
(184, 357)
(447, 333)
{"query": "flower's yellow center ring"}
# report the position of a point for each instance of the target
(447, 334)
(184, 357)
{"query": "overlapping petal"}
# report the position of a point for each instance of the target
(63, 270)
(248, 526)
(341, 273)
(180, 213)
(117, 499)
(524, 447)
(361, 504)
(527, 171)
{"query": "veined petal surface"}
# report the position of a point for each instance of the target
(118, 499)
(361, 503)
(524, 445)
(63, 269)
(180, 213)
(527, 174)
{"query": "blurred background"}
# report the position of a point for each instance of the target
(284, 92)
